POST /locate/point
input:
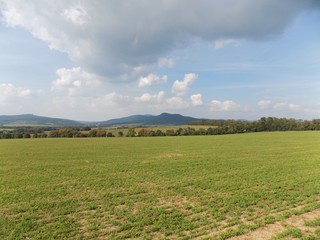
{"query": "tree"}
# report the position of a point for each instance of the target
(27, 135)
(93, 133)
(109, 134)
(143, 132)
(170, 132)
(131, 132)
(158, 132)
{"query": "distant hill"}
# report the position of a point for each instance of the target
(33, 120)
(150, 120)
(135, 120)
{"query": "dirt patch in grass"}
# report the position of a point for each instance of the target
(169, 155)
(271, 230)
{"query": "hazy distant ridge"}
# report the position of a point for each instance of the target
(33, 120)
(147, 120)
(141, 120)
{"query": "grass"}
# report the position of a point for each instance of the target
(290, 232)
(314, 223)
(168, 187)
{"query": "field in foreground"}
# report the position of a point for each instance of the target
(164, 188)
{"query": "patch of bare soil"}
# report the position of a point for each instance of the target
(271, 230)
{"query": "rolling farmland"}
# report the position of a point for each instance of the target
(200, 187)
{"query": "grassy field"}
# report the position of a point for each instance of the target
(157, 188)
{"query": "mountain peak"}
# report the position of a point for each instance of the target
(170, 114)
(150, 120)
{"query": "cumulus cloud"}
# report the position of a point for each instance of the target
(227, 105)
(113, 37)
(112, 99)
(264, 104)
(196, 100)
(148, 98)
(280, 106)
(176, 103)
(135, 71)
(9, 92)
(152, 79)
(286, 106)
(75, 80)
(181, 87)
(76, 15)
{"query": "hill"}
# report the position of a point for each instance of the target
(150, 120)
(33, 120)
(136, 120)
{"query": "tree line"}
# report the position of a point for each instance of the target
(53, 133)
(265, 124)
(203, 127)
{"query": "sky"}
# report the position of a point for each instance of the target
(95, 60)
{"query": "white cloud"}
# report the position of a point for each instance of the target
(280, 106)
(110, 38)
(176, 103)
(112, 99)
(196, 100)
(286, 106)
(152, 79)
(138, 70)
(227, 105)
(221, 43)
(76, 15)
(294, 107)
(148, 98)
(165, 62)
(75, 81)
(24, 93)
(107, 102)
(9, 92)
(264, 104)
(181, 87)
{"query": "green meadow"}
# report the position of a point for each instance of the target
(205, 187)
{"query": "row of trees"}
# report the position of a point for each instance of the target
(264, 124)
(213, 127)
(72, 132)
(219, 127)
(8, 135)
(55, 133)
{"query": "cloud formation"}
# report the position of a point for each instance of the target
(264, 104)
(176, 103)
(196, 100)
(180, 88)
(287, 106)
(111, 38)
(148, 98)
(75, 81)
(152, 79)
(280, 106)
(227, 105)
(9, 92)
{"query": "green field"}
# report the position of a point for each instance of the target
(156, 188)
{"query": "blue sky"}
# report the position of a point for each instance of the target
(97, 60)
